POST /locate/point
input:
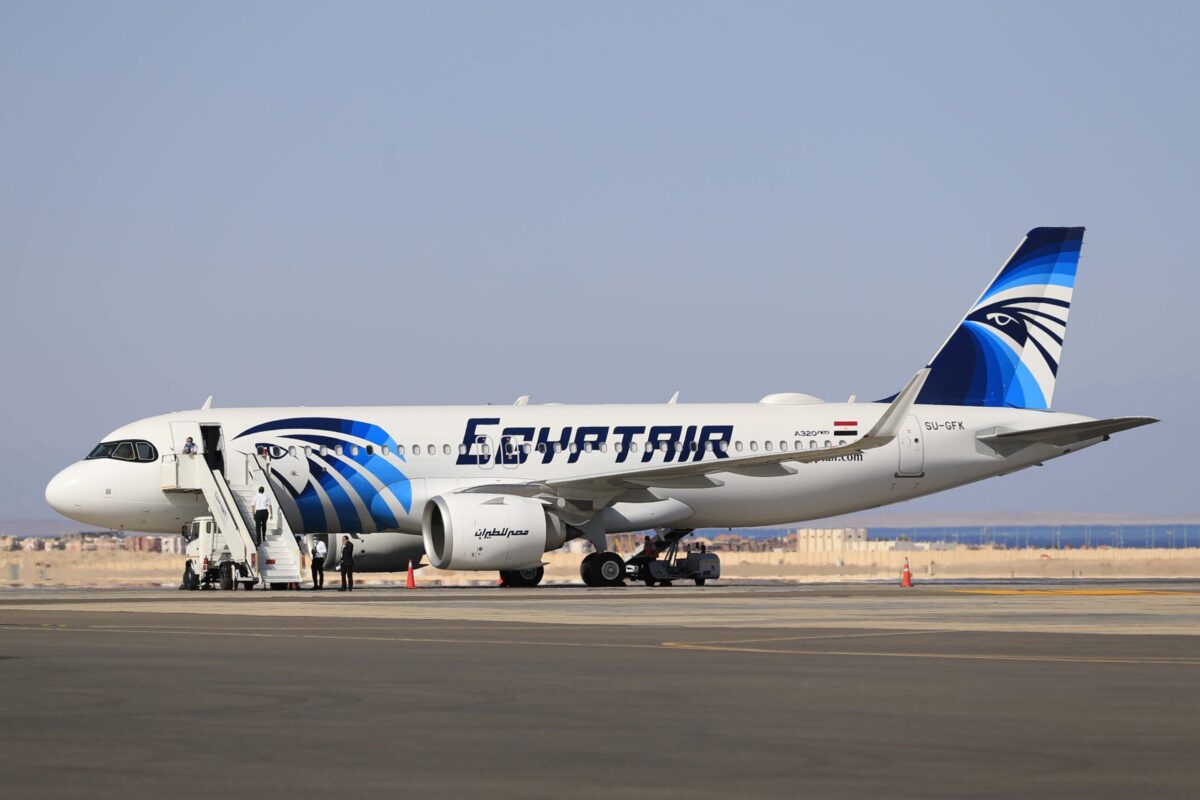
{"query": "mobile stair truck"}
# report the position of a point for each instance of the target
(221, 549)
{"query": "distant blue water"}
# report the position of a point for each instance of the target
(1025, 536)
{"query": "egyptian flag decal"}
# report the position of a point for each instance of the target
(845, 427)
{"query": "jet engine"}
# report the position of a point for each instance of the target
(488, 531)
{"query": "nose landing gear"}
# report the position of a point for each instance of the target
(522, 578)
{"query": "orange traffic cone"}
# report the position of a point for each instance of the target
(411, 583)
(906, 576)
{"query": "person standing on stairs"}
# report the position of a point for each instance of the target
(262, 511)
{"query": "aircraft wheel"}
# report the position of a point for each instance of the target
(700, 581)
(531, 576)
(587, 569)
(610, 569)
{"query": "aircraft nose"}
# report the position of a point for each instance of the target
(63, 492)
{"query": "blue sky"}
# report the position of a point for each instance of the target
(453, 203)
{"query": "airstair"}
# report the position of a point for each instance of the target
(276, 562)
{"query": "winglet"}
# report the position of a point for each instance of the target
(889, 424)
(674, 398)
(207, 404)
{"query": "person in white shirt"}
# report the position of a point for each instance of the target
(319, 551)
(262, 510)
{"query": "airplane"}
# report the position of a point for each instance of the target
(490, 487)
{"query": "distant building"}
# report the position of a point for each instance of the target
(836, 540)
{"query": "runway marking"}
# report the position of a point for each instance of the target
(821, 636)
(1077, 592)
(691, 646)
(945, 656)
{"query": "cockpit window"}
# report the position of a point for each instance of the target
(125, 451)
(103, 450)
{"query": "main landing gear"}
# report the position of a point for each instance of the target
(603, 569)
(522, 578)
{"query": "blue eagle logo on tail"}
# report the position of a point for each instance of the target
(1007, 349)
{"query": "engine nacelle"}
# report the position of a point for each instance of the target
(488, 531)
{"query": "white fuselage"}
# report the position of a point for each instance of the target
(330, 482)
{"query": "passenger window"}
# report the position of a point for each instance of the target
(708, 447)
(604, 447)
(486, 449)
(812, 444)
(541, 448)
(432, 450)
(446, 449)
(124, 451)
(633, 447)
(753, 446)
(574, 447)
(416, 450)
(841, 442)
(324, 451)
(370, 450)
(337, 448)
(462, 449)
(738, 445)
(353, 449)
(587, 447)
(558, 447)
(767, 445)
(399, 449)
(799, 445)
(385, 450)
(724, 446)
(292, 451)
(828, 443)
(783, 445)
(145, 451)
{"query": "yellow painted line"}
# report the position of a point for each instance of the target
(942, 656)
(1075, 592)
(694, 647)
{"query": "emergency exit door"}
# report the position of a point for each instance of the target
(912, 450)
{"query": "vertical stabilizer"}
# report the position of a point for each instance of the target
(1006, 350)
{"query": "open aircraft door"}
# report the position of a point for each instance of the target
(912, 449)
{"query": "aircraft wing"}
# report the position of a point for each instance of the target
(1067, 435)
(615, 481)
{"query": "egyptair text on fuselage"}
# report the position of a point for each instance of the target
(680, 443)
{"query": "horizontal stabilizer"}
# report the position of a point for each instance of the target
(1067, 435)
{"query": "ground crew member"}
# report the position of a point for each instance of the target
(262, 510)
(347, 566)
(318, 563)
(649, 549)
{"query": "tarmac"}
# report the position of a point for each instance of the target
(948, 690)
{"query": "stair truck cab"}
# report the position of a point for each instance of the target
(209, 561)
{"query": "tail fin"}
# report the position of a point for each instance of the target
(1005, 352)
